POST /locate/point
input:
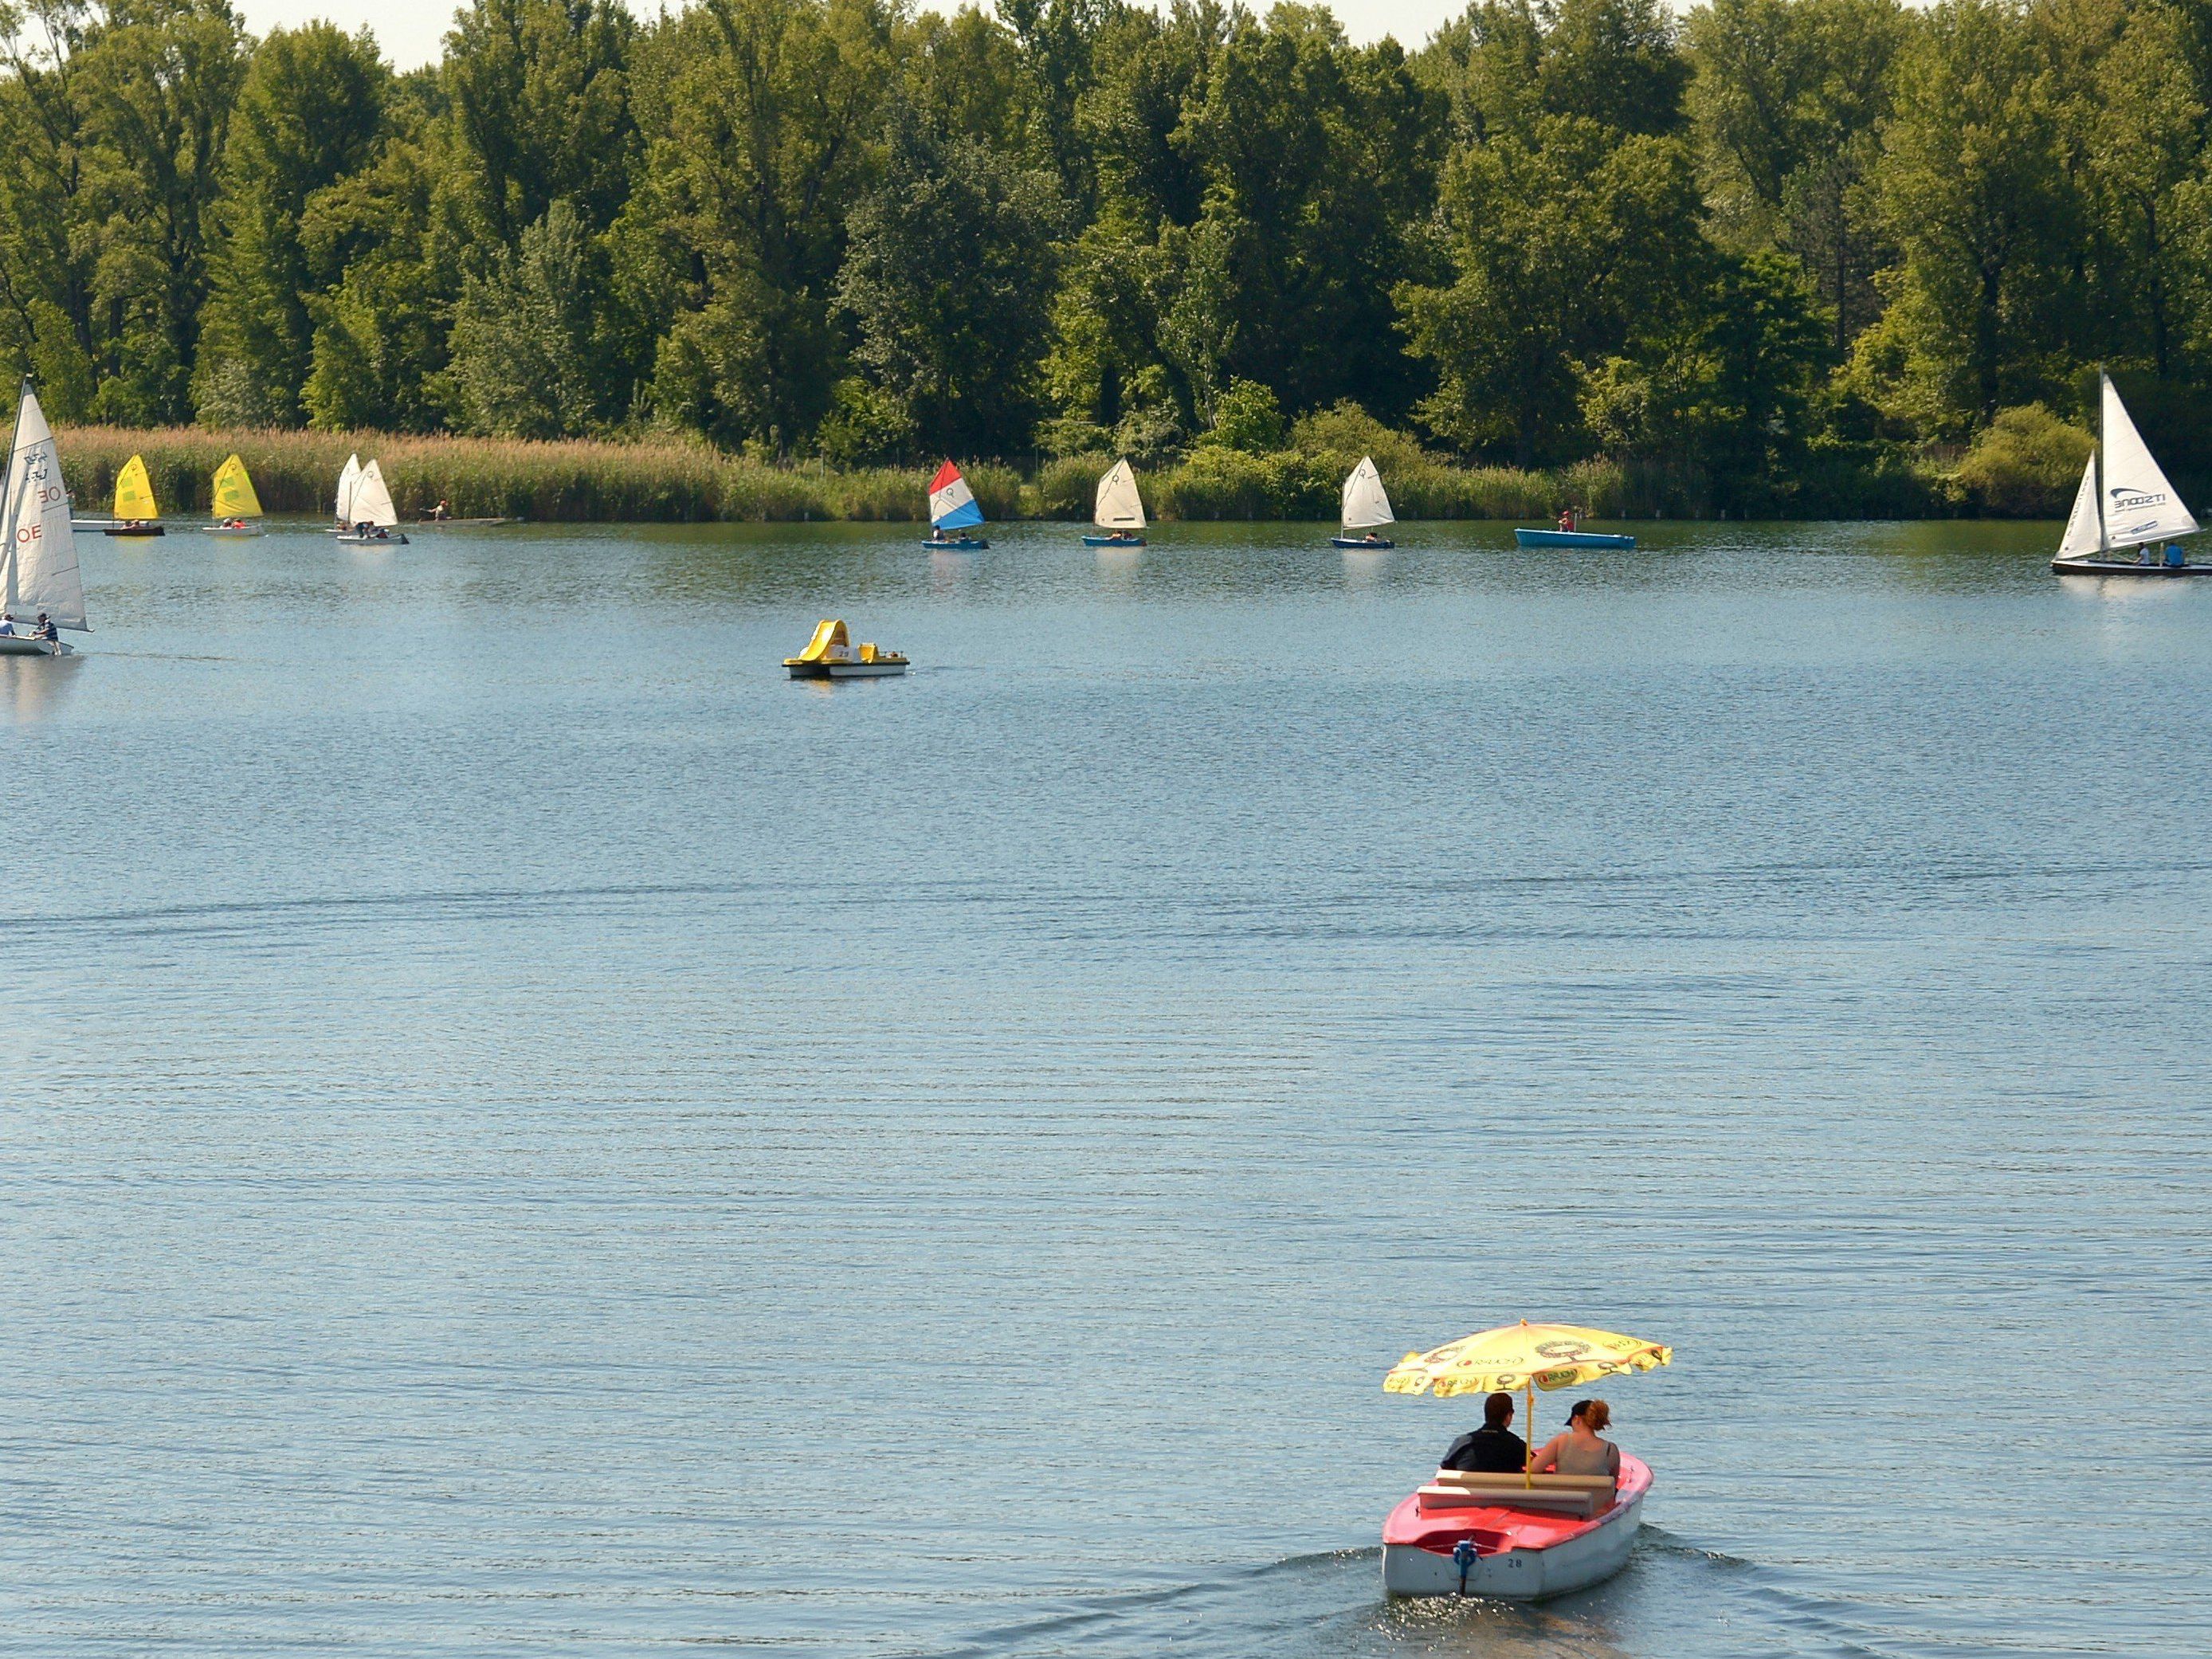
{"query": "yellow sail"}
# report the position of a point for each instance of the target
(133, 492)
(233, 492)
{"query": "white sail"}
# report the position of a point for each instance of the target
(1365, 505)
(2085, 531)
(1119, 507)
(41, 570)
(2140, 505)
(372, 502)
(349, 481)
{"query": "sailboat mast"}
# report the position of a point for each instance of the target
(11, 506)
(2103, 543)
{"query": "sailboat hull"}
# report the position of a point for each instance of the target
(1113, 541)
(2126, 568)
(23, 645)
(237, 530)
(1362, 543)
(395, 539)
(135, 530)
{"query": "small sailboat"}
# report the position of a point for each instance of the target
(2124, 502)
(952, 508)
(237, 508)
(136, 511)
(831, 655)
(349, 481)
(39, 574)
(1366, 507)
(1119, 511)
(372, 520)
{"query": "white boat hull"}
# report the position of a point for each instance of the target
(845, 671)
(24, 645)
(395, 539)
(237, 530)
(1519, 1575)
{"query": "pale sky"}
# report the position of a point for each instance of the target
(409, 31)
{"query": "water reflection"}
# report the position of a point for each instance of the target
(1118, 567)
(32, 687)
(1363, 568)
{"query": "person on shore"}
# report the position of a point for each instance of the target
(441, 512)
(1580, 1449)
(1494, 1448)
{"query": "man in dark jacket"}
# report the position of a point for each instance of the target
(1494, 1448)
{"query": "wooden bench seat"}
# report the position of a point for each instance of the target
(1600, 1483)
(1551, 1500)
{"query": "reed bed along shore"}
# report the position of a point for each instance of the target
(676, 480)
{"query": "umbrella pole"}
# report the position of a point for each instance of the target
(1528, 1463)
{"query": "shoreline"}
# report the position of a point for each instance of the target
(673, 480)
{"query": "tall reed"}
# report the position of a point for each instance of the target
(674, 479)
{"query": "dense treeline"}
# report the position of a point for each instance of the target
(1773, 252)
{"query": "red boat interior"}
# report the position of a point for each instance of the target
(1436, 1519)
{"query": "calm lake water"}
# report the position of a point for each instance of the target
(534, 1133)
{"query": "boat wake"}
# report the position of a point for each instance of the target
(1677, 1600)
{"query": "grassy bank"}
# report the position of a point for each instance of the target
(664, 480)
(674, 480)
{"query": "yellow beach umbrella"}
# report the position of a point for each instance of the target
(1524, 1358)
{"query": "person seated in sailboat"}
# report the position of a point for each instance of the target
(1494, 1448)
(1580, 1449)
(6, 624)
(45, 629)
(1372, 536)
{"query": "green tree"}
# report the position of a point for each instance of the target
(381, 321)
(1975, 189)
(1788, 98)
(1058, 41)
(2142, 123)
(1246, 418)
(540, 113)
(47, 266)
(950, 278)
(1614, 62)
(761, 118)
(1722, 386)
(521, 344)
(309, 114)
(1318, 160)
(156, 80)
(1561, 245)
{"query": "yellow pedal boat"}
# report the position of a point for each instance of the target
(831, 655)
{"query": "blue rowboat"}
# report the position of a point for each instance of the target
(1569, 538)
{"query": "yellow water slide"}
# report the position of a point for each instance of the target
(827, 632)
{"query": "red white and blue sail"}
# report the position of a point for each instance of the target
(951, 503)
